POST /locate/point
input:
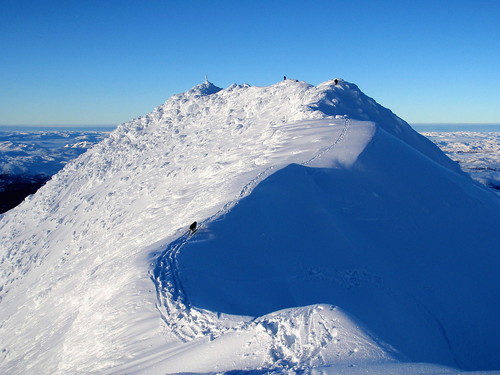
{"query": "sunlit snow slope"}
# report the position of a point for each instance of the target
(342, 207)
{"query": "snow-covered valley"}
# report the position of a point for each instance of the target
(332, 238)
(478, 153)
(29, 158)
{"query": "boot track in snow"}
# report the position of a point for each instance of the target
(186, 321)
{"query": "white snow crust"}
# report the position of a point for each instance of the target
(99, 274)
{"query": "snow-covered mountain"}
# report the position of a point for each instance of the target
(331, 237)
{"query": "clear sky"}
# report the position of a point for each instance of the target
(106, 61)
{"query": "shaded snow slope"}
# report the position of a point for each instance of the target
(421, 273)
(81, 285)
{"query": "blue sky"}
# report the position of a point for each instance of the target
(106, 61)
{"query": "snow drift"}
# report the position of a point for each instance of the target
(415, 271)
(306, 195)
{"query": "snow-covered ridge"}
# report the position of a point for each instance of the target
(155, 151)
(78, 256)
(250, 115)
(284, 102)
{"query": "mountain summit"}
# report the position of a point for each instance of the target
(205, 88)
(330, 235)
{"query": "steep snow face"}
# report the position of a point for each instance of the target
(346, 98)
(421, 273)
(78, 257)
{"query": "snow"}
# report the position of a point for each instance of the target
(36, 154)
(281, 232)
(283, 339)
(332, 238)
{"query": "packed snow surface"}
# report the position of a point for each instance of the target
(332, 238)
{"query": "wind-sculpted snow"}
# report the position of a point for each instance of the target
(296, 339)
(290, 346)
(307, 236)
(92, 277)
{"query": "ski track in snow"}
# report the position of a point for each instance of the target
(188, 322)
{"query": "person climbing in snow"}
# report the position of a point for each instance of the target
(284, 78)
(192, 227)
(336, 81)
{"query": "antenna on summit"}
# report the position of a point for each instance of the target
(206, 78)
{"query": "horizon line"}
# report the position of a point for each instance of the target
(115, 125)
(60, 125)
